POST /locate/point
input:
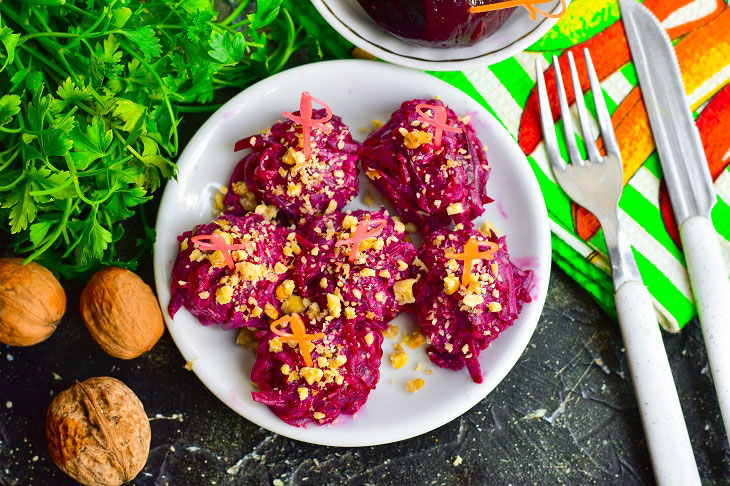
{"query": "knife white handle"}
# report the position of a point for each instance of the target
(711, 288)
(666, 433)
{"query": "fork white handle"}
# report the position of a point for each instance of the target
(666, 433)
(711, 288)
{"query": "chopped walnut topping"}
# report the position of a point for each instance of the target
(204, 295)
(334, 306)
(403, 290)
(293, 157)
(285, 290)
(293, 304)
(454, 208)
(473, 300)
(293, 189)
(331, 207)
(495, 307)
(275, 345)
(311, 374)
(373, 174)
(489, 229)
(271, 311)
(250, 271)
(223, 295)
(268, 212)
(369, 338)
(349, 222)
(416, 138)
(318, 415)
(303, 392)
(280, 268)
(451, 285)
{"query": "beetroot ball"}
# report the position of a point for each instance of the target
(277, 173)
(428, 185)
(460, 321)
(215, 294)
(345, 368)
(375, 285)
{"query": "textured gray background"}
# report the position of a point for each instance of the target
(564, 415)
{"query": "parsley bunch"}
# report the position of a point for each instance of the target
(91, 96)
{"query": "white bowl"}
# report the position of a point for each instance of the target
(517, 34)
(358, 91)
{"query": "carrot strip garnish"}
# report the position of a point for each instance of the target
(307, 122)
(471, 253)
(362, 233)
(298, 334)
(438, 121)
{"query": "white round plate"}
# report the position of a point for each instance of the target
(517, 34)
(358, 91)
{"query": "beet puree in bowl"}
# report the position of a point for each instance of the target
(436, 23)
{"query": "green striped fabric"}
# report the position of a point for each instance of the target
(503, 89)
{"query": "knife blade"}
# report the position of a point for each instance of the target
(677, 139)
(689, 184)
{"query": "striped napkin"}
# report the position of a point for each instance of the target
(701, 31)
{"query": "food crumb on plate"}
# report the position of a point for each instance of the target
(399, 358)
(414, 385)
(392, 331)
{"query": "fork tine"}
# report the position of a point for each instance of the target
(546, 117)
(604, 118)
(585, 121)
(573, 152)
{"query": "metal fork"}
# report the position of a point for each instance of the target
(597, 184)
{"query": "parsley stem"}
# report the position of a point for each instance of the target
(163, 89)
(35, 35)
(235, 12)
(52, 239)
(10, 160)
(52, 190)
(10, 130)
(14, 183)
(197, 109)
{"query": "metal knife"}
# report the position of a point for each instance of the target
(689, 183)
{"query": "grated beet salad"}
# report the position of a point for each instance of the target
(428, 185)
(215, 294)
(375, 285)
(459, 321)
(345, 368)
(277, 172)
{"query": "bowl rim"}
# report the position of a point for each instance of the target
(543, 25)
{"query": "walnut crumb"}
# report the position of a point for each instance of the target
(414, 385)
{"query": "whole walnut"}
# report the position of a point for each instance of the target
(98, 432)
(32, 302)
(121, 313)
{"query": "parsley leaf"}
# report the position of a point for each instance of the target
(9, 106)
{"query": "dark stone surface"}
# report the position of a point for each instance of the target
(564, 415)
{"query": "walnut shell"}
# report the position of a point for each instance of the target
(32, 302)
(98, 432)
(121, 313)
